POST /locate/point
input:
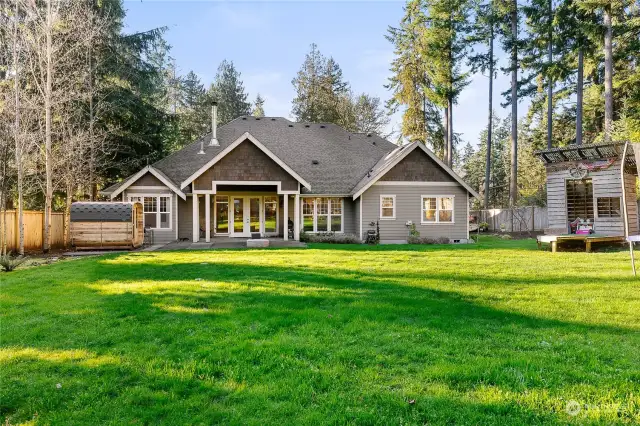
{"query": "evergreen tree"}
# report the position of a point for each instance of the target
(421, 118)
(363, 114)
(484, 32)
(193, 109)
(319, 89)
(444, 38)
(258, 106)
(228, 90)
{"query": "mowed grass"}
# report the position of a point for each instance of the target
(491, 333)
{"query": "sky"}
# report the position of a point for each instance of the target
(268, 40)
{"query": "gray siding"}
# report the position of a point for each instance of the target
(185, 224)
(349, 217)
(408, 207)
(606, 183)
(160, 236)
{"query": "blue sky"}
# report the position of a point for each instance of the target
(268, 40)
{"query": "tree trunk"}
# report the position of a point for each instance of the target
(67, 215)
(487, 170)
(608, 74)
(450, 131)
(513, 181)
(46, 245)
(550, 82)
(446, 135)
(16, 134)
(579, 96)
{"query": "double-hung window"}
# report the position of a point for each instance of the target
(437, 209)
(322, 214)
(156, 209)
(387, 207)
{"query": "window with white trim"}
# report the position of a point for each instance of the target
(437, 209)
(322, 214)
(387, 207)
(156, 209)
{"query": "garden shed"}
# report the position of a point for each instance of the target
(587, 189)
(106, 225)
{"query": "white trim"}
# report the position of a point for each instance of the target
(467, 219)
(285, 207)
(296, 218)
(394, 207)
(141, 173)
(148, 188)
(360, 206)
(196, 219)
(412, 183)
(215, 183)
(157, 212)
(245, 136)
(438, 198)
(207, 217)
(406, 152)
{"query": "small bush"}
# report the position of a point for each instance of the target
(331, 238)
(506, 237)
(9, 263)
(427, 240)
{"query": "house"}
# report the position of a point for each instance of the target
(255, 174)
(593, 183)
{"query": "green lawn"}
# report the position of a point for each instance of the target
(491, 333)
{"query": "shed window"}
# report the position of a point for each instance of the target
(157, 210)
(579, 199)
(322, 214)
(437, 209)
(608, 206)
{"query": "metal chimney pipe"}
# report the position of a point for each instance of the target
(214, 124)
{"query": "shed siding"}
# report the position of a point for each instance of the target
(160, 236)
(606, 183)
(246, 163)
(408, 207)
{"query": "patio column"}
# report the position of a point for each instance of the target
(196, 221)
(207, 215)
(286, 216)
(296, 218)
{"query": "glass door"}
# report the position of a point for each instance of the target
(254, 215)
(271, 215)
(238, 217)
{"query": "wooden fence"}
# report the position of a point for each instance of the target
(33, 229)
(521, 219)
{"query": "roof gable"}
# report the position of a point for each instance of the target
(386, 164)
(417, 166)
(244, 137)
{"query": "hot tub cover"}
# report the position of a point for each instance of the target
(101, 212)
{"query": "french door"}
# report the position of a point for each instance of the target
(253, 214)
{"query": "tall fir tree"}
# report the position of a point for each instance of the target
(258, 106)
(193, 108)
(228, 90)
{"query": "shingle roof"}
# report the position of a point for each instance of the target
(343, 158)
(333, 160)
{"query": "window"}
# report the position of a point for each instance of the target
(270, 215)
(437, 209)
(387, 207)
(156, 209)
(222, 214)
(608, 206)
(322, 214)
(579, 199)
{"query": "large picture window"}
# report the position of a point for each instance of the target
(157, 210)
(437, 209)
(322, 214)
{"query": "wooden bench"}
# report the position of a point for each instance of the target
(555, 240)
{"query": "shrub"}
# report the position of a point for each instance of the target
(506, 237)
(427, 240)
(331, 238)
(9, 263)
